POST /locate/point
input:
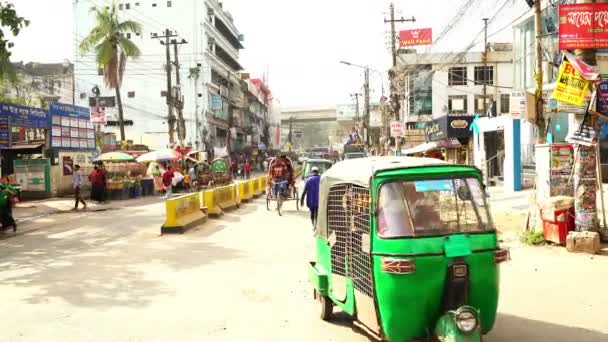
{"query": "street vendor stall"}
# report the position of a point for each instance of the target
(125, 177)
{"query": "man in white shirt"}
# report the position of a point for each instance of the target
(77, 184)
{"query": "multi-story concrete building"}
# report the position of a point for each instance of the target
(211, 83)
(440, 84)
(41, 83)
(442, 93)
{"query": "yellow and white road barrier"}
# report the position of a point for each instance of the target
(187, 211)
(245, 192)
(182, 213)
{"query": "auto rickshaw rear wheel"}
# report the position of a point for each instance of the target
(326, 306)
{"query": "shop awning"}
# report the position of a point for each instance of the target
(433, 145)
(23, 147)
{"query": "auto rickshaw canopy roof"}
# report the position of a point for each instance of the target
(360, 172)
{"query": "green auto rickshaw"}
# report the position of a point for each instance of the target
(408, 248)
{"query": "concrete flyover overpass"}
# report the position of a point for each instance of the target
(308, 114)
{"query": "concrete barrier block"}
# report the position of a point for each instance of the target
(583, 242)
(182, 213)
(244, 191)
(208, 200)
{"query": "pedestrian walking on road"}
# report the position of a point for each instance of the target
(168, 181)
(311, 191)
(78, 184)
(247, 169)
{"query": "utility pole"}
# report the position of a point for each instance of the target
(540, 120)
(289, 136)
(367, 104)
(393, 73)
(98, 135)
(356, 96)
(392, 20)
(485, 64)
(178, 98)
(171, 118)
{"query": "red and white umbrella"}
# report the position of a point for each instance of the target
(160, 155)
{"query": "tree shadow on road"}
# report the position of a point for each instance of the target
(104, 260)
(510, 328)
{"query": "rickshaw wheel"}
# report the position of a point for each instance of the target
(326, 306)
(279, 203)
(268, 200)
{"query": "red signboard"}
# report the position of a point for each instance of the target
(583, 26)
(416, 37)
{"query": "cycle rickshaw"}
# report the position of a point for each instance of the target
(283, 190)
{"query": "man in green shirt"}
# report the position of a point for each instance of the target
(6, 212)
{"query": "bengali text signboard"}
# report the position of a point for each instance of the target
(583, 26)
(23, 116)
(71, 127)
(397, 129)
(570, 87)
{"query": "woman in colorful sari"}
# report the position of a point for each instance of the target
(158, 179)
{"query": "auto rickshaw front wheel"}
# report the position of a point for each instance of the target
(326, 306)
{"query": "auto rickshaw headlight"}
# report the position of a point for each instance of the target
(466, 320)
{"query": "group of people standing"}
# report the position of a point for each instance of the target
(164, 179)
(242, 168)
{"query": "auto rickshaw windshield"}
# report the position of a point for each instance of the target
(432, 207)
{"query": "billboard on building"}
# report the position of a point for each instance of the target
(345, 112)
(71, 127)
(583, 26)
(416, 37)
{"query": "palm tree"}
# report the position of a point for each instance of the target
(112, 49)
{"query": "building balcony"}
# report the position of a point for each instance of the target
(227, 34)
(214, 34)
(227, 59)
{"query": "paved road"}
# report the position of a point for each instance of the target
(109, 276)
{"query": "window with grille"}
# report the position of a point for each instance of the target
(169, 4)
(128, 6)
(131, 94)
(505, 103)
(457, 76)
(457, 104)
(163, 93)
(484, 75)
(83, 96)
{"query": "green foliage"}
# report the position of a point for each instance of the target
(17, 92)
(533, 238)
(108, 41)
(8, 19)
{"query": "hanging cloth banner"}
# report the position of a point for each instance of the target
(570, 87)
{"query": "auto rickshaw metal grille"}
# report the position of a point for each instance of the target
(359, 254)
(338, 223)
